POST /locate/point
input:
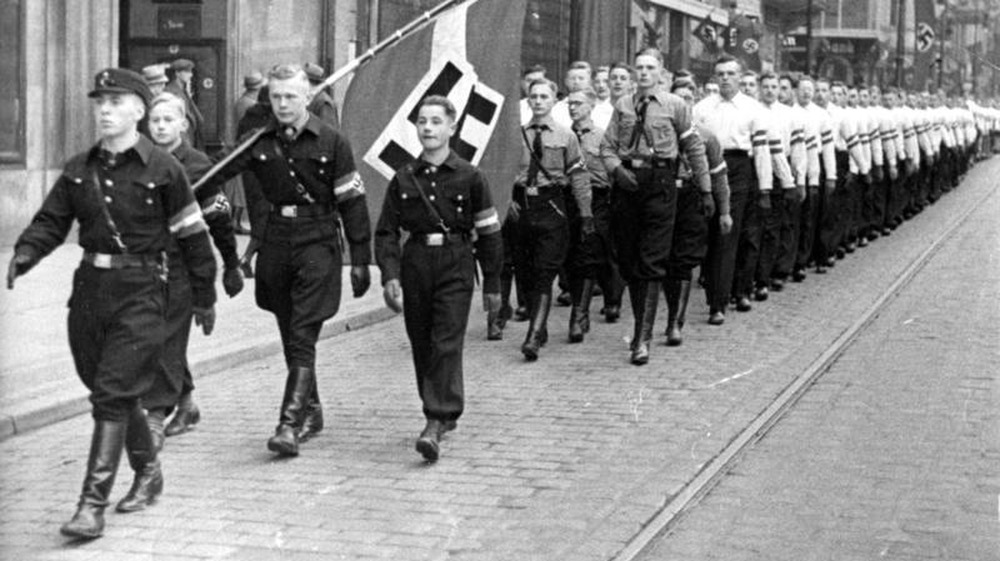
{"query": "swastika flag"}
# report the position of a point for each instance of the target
(470, 54)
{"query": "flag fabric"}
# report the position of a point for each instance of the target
(470, 54)
(743, 41)
(925, 43)
(708, 34)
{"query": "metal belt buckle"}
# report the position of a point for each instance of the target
(679, 183)
(638, 163)
(290, 211)
(102, 260)
(531, 191)
(435, 239)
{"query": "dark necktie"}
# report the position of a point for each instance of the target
(640, 121)
(536, 150)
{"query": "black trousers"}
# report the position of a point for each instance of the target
(116, 334)
(589, 257)
(720, 261)
(438, 283)
(830, 209)
(542, 239)
(298, 280)
(770, 237)
(808, 222)
(690, 239)
(643, 224)
(751, 234)
(789, 215)
(172, 375)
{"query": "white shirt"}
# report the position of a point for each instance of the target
(560, 114)
(601, 115)
(739, 124)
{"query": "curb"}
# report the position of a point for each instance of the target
(12, 425)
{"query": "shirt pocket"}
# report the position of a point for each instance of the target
(662, 133)
(323, 164)
(145, 199)
(553, 156)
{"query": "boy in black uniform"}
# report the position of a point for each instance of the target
(174, 383)
(438, 199)
(307, 175)
(130, 198)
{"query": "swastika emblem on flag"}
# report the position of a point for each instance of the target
(478, 108)
(925, 36)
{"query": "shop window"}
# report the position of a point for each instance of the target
(12, 85)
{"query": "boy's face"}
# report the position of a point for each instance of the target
(601, 85)
(117, 113)
(166, 124)
(579, 106)
(620, 82)
(541, 99)
(290, 99)
(434, 127)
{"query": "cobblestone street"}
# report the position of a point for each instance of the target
(893, 453)
(567, 458)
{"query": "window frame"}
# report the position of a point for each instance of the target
(17, 156)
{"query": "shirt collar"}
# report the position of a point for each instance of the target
(451, 162)
(584, 127)
(143, 148)
(546, 121)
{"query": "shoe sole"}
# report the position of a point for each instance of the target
(80, 535)
(428, 449)
(282, 450)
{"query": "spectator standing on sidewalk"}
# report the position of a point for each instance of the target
(130, 199)
(439, 199)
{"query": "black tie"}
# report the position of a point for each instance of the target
(536, 150)
(640, 121)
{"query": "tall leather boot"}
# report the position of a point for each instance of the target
(640, 354)
(637, 297)
(141, 449)
(538, 333)
(298, 386)
(685, 295)
(672, 294)
(579, 319)
(506, 311)
(105, 453)
(186, 416)
(313, 421)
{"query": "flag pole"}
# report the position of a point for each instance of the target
(348, 68)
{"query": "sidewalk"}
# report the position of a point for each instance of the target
(38, 382)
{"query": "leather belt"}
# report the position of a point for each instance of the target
(302, 211)
(734, 153)
(121, 260)
(437, 239)
(648, 163)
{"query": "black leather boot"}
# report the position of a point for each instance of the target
(579, 318)
(141, 449)
(506, 311)
(105, 453)
(298, 386)
(640, 352)
(428, 443)
(538, 333)
(682, 312)
(672, 294)
(494, 326)
(313, 422)
(186, 416)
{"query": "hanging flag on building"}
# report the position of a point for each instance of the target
(927, 36)
(743, 41)
(470, 54)
(708, 34)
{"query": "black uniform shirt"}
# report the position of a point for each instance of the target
(461, 196)
(148, 197)
(315, 167)
(214, 205)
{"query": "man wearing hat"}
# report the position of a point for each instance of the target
(129, 198)
(156, 78)
(322, 104)
(183, 71)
